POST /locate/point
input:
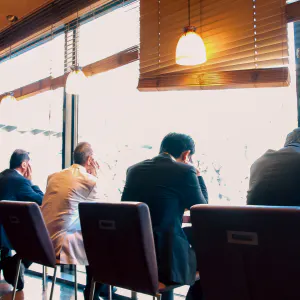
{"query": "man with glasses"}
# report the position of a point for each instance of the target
(169, 184)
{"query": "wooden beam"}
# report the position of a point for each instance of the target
(115, 61)
(32, 89)
(277, 77)
(293, 12)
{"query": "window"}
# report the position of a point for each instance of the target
(109, 34)
(37, 128)
(231, 128)
(33, 124)
(47, 59)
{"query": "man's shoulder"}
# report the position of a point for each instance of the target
(10, 174)
(53, 175)
(71, 175)
(278, 155)
(266, 156)
(184, 167)
(157, 164)
(139, 165)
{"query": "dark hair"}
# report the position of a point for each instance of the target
(176, 143)
(81, 153)
(17, 158)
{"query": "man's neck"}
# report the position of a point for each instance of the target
(17, 170)
(172, 157)
(295, 146)
(82, 167)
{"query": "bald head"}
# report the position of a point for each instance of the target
(82, 152)
(293, 137)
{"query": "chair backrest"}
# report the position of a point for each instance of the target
(119, 245)
(26, 230)
(249, 253)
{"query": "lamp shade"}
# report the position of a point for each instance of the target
(8, 97)
(190, 50)
(76, 81)
(8, 106)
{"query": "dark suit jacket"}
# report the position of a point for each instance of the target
(14, 186)
(168, 188)
(274, 179)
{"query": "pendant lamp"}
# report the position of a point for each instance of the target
(8, 107)
(190, 50)
(76, 81)
(8, 97)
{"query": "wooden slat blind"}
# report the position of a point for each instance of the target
(40, 24)
(248, 37)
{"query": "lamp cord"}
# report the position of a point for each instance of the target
(189, 12)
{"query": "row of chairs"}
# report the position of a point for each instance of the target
(249, 253)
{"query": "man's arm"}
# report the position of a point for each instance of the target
(203, 188)
(126, 195)
(94, 194)
(28, 192)
(254, 173)
(192, 191)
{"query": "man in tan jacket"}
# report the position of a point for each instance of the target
(65, 190)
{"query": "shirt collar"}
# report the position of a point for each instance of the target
(18, 172)
(295, 146)
(80, 167)
(172, 157)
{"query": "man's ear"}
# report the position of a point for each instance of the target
(89, 161)
(24, 165)
(186, 156)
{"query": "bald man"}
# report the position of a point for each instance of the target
(65, 190)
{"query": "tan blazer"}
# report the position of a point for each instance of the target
(65, 190)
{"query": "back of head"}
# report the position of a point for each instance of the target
(82, 152)
(17, 158)
(176, 143)
(293, 137)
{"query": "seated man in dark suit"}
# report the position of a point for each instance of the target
(16, 185)
(15, 182)
(274, 177)
(169, 184)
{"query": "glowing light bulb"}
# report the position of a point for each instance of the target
(8, 97)
(8, 110)
(76, 81)
(190, 50)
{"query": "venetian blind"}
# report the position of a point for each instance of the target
(246, 43)
(60, 43)
(56, 16)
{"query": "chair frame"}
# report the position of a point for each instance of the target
(54, 280)
(133, 293)
(44, 280)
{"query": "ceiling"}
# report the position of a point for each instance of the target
(19, 8)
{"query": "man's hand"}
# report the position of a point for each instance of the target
(198, 170)
(196, 167)
(94, 168)
(28, 173)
